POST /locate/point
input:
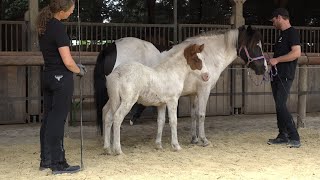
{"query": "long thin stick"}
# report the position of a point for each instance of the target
(81, 112)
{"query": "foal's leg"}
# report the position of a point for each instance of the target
(118, 117)
(107, 117)
(172, 111)
(194, 117)
(203, 99)
(161, 121)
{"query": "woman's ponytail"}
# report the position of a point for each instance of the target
(43, 18)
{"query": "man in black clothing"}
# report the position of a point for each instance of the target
(286, 52)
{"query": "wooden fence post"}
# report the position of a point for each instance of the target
(34, 72)
(302, 96)
(237, 76)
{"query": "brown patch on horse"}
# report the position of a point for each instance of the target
(190, 53)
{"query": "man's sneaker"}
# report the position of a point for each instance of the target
(278, 141)
(294, 144)
(64, 168)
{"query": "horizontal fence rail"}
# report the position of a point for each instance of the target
(309, 38)
(94, 36)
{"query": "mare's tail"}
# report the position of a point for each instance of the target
(100, 70)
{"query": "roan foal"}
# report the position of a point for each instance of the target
(161, 87)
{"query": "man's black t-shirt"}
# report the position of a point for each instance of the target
(53, 38)
(288, 38)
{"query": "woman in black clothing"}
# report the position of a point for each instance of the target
(59, 67)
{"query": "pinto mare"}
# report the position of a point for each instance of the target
(219, 52)
(221, 49)
(124, 50)
(160, 86)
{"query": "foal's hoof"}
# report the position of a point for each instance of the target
(159, 146)
(118, 152)
(107, 152)
(176, 147)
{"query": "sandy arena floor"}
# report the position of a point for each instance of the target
(238, 150)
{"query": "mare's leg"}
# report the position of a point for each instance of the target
(118, 117)
(161, 121)
(172, 111)
(107, 118)
(203, 99)
(137, 110)
(194, 117)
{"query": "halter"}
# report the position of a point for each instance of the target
(250, 59)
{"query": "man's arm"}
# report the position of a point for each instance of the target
(292, 55)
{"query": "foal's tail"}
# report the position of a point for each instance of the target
(113, 91)
(100, 90)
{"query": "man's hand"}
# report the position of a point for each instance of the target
(273, 61)
(83, 70)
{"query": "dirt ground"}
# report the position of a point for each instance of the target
(238, 150)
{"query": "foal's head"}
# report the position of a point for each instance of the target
(250, 49)
(195, 60)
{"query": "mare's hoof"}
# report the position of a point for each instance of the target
(204, 143)
(194, 140)
(133, 120)
(159, 147)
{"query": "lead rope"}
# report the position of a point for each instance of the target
(80, 84)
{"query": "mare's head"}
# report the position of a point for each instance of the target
(250, 49)
(195, 60)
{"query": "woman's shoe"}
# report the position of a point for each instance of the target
(63, 168)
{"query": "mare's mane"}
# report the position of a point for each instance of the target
(230, 36)
(240, 37)
(213, 33)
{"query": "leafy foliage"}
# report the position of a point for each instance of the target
(13, 9)
(189, 11)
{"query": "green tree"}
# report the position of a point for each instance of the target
(13, 9)
(90, 10)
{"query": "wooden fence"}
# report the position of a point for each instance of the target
(241, 96)
(255, 99)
